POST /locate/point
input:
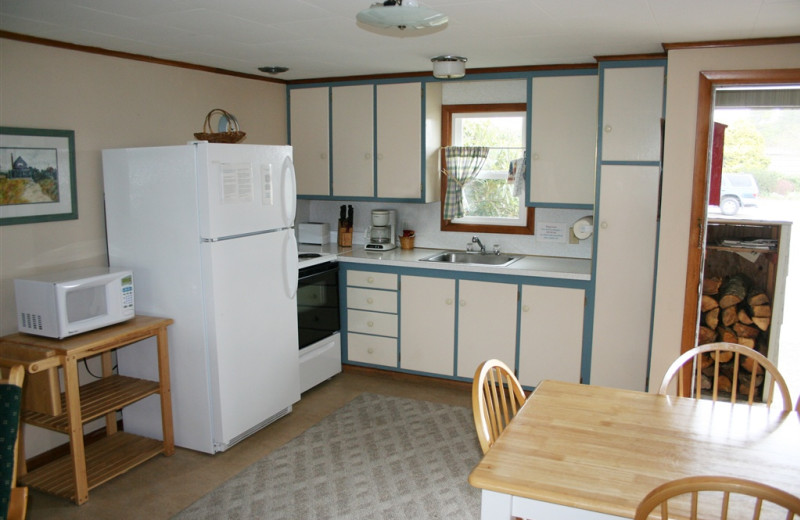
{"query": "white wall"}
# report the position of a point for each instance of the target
(109, 103)
(684, 67)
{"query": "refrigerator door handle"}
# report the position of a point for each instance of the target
(290, 263)
(289, 184)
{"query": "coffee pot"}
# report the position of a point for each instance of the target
(382, 234)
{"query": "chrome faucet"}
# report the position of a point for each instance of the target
(477, 240)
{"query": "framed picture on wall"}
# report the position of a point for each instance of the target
(37, 175)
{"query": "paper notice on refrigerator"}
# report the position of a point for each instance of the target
(237, 182)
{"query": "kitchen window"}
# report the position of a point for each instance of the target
(492, 201)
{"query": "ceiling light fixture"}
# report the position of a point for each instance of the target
(449, 67)
(273, 69)
(401, 14)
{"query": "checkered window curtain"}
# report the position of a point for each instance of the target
(462, 164)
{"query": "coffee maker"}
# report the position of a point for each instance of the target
(382, 235)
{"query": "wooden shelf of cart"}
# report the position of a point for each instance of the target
(45, 406)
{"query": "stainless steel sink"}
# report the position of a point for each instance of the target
(453, 257)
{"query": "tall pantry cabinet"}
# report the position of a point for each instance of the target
(626, 220)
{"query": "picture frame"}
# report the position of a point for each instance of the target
(37, 175)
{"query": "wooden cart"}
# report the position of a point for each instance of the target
(44, 404)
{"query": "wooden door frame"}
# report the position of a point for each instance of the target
(698, 217)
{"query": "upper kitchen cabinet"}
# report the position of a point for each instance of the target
(352, 141)
(632, 110)
(310, 139)
(408, 145)
(383, 144)
(563, 140)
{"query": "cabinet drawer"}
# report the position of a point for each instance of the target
(372, 349)
(370, 279)
(372, 323)
(371, 300)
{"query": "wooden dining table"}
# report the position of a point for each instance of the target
(589, 452)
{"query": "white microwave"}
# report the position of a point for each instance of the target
(62, 304)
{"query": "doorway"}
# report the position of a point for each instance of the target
(710, 83)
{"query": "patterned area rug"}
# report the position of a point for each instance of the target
(376, 457)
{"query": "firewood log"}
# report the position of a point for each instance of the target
(734, 290)
(743, 317)
(727, 334)
(707, 303)
(756, 297)
(723, 355)
(729, 316)
(749, 363)
(761, 311)
(711, 285)
(706, 335)
(711, 319)
(724, 384)
(745, 331)
(761, 323)
(747, 342)
(744, 381)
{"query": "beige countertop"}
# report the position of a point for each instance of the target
(541, 266)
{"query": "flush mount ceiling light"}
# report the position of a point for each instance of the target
(401, 14)
(449, 67)
(273, 69)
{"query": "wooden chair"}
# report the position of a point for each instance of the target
(711, 494)
(13, 499)
(714, 354)
(496, 398)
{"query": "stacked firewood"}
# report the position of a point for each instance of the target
(735, 311)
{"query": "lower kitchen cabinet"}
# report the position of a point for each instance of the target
(371, 322)
(427, 330)
(445, 323)
(372, 350)
(551, 334)
(487, 324)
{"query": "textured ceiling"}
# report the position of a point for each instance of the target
(321, 38)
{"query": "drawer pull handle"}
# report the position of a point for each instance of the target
(463, 303)
(370, 350)
(525, 308)
(370, 300)
(449, 301)
(370, 324)
(370, 280)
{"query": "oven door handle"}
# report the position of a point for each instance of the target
(313, 273)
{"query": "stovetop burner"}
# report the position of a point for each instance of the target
(309, 255)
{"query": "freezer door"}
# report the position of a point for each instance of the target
(251, 283)
(244, 188)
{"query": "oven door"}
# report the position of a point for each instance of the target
(317, 303)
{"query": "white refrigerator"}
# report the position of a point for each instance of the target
(208, 231)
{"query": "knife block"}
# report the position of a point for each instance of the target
(345, 237)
